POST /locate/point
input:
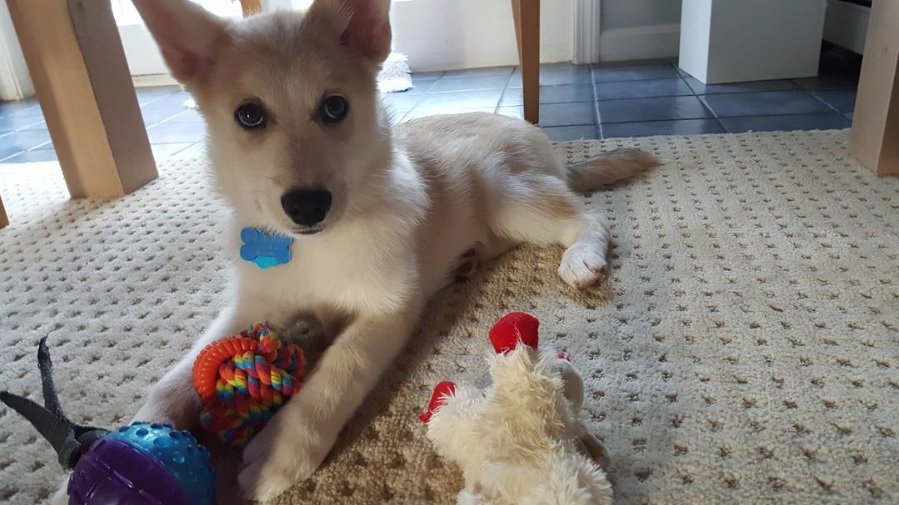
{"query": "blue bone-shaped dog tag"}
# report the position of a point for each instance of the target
(264, 249)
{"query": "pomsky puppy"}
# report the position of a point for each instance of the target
(378, 216)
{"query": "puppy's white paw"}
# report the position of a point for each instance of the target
(173, 403)
(61, 497)
(287, 451)
(582, 266)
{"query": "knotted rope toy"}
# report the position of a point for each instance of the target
(243, 380)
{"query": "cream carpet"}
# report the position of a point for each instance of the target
(744, 351)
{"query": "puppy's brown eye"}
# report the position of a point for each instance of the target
(334, 109)
(250, 115)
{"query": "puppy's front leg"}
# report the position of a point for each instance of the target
(300, 435)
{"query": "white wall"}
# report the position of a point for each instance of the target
(639, 29)
(453, 34)
(846, 25)
(15, 83)
(141, 50)
(434, 34)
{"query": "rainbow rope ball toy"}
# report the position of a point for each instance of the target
(243, 380)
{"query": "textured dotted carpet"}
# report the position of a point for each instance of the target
(744, 351)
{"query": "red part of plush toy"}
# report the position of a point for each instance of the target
(505, 335)
(441, 391)
(515, 327)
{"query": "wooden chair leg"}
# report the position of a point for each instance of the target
(875, 124)
(77, 63)
(250, 7)
(526, 14)
(4, 220)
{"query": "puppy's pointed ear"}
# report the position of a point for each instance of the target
(367, 28)
(189, 37)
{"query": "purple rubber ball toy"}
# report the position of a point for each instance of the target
(143, 464)
(140, 464)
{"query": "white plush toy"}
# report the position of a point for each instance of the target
(519, 441)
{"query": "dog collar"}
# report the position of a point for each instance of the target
(263, 248)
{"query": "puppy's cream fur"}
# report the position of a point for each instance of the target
(407, 203)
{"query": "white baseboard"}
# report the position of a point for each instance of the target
(640, 43)
(442, 61)
(846, 25)
(152, 80)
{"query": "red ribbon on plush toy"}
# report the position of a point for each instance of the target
(514, 327)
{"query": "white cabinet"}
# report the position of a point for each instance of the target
(751, 40)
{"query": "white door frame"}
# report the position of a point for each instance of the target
(585, 47)
(15, 82)
(11, 87)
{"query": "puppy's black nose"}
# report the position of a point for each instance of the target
(306, 207)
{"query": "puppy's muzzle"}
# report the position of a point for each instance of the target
(306, 207)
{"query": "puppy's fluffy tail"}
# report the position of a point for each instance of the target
(609, 168)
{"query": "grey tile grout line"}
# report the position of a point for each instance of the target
(831, 107)
(29, 149)
(722, 125)
(158, 98)
(431, 83)
(505, 89)
(434, 82)
(41, 145)
(26, 127)
(596, 116)
(715, 115)
(712, 111)
(692, 93)
(171, 118)
(725, 117)
(780, 115)
(423, 93)
(697, 95)
(188, 146)
(707, 107)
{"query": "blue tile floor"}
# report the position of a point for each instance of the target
(576, 102)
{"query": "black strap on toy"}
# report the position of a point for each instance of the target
(69, 440)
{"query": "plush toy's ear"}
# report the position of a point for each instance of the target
(367, 27)
(512, 328)
(573, 383)
(189, 37)
(438, 399)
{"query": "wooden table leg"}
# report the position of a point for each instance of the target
(78, 66)
(250, 7)
(875, 125)
(4, 220)
(527, 30)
